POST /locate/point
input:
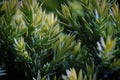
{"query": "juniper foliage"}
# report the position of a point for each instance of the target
(81, 40)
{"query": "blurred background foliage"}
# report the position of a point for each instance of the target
(52, 5)
(59, 40)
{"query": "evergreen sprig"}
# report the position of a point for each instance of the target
(35, 46)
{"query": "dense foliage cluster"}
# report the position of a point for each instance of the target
(79, 40)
